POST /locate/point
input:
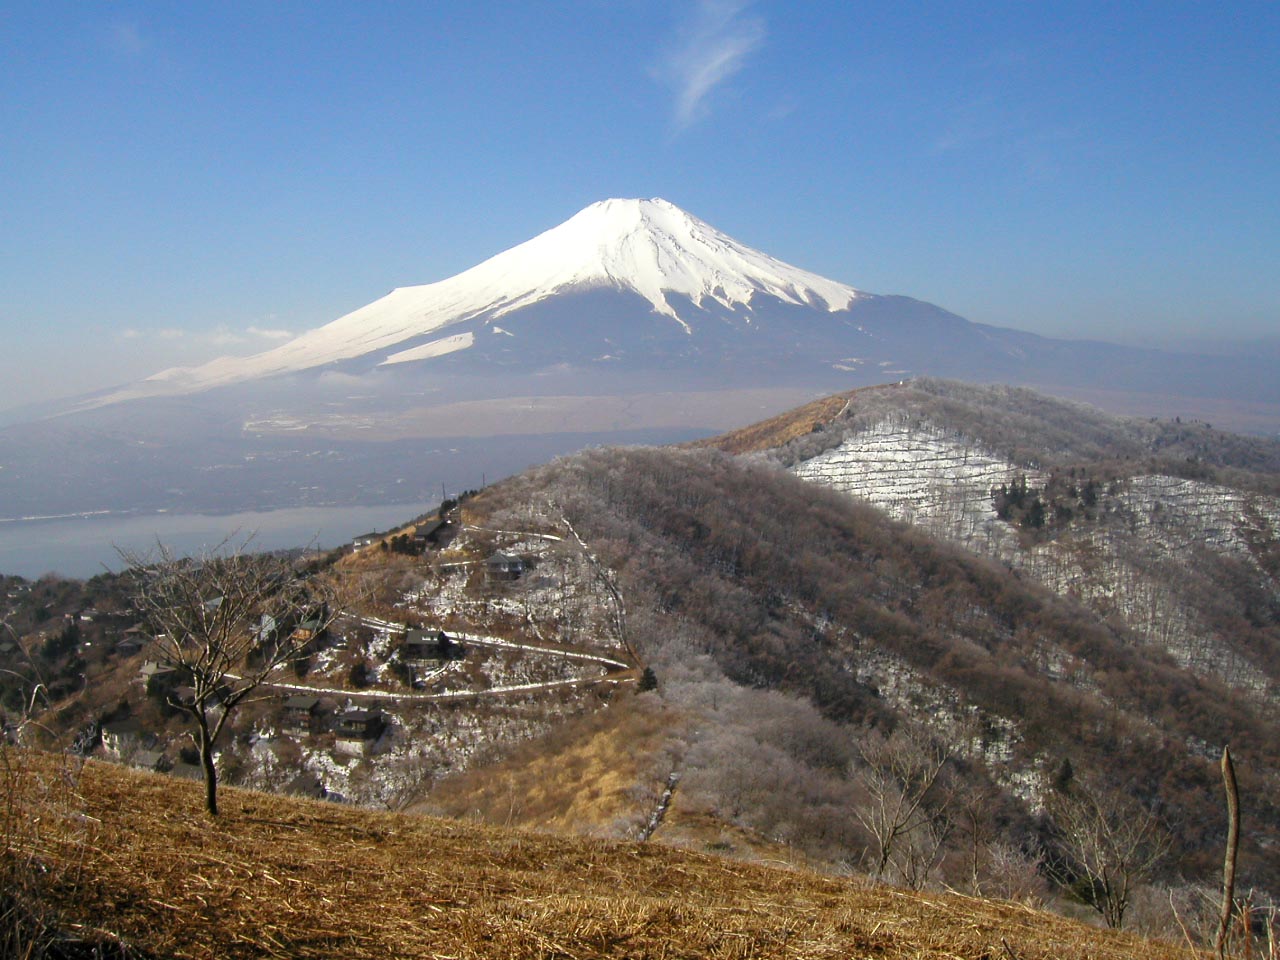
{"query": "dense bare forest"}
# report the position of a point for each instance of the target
(834, 656)
(1170, 527)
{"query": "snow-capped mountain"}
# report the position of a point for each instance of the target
(632, 296)
(649, 249)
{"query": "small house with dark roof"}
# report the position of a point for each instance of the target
(131, 642)
(504, 566)
(157, 679)
(427, 645)
(354, 730)
(304, 713)
(433, 533)
(366, 540)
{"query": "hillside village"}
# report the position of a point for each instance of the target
(717, 479)
(472, 638)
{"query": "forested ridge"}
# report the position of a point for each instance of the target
(1023, 426)
(736, 572)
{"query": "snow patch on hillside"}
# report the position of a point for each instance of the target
(436, 348)
(1126, 564)
(920, 473)
(1186, 513)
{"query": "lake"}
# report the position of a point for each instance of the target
(81, 547)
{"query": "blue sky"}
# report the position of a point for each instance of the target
(179, 181)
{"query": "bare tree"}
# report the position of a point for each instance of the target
(226, 621)
(905, 811)
(1111, 842)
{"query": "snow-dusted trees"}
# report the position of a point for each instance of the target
(787, 588)
(225, 621)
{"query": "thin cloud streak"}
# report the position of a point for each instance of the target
(220, 336)
(713, 47)
(269, 333)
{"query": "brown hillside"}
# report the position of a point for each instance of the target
(590, 776)
(129, 857)
(783, 428)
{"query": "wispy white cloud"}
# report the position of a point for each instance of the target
(126, 39)
(222, 335)
(270, 334)
(712, 46)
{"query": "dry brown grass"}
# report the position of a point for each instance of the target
(778, 430)
(585, 777)
(278, 877)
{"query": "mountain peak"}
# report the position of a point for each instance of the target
(654, 248)
(650, 248)
(619, 217)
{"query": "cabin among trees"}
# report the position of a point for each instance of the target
(309, 630)
(431, 535)
(132, 642)
(305, 713)
(429, 645)
(434, 534)
(159, 680)
(355, 729)
(504, 566)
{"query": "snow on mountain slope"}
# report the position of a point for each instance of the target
(648, 247)
(920, 474)
(1133, 560)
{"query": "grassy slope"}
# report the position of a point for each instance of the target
(601, 775)
(783, 428)
(592, 775)
(130, 855)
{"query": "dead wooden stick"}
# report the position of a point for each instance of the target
(1233, 847)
